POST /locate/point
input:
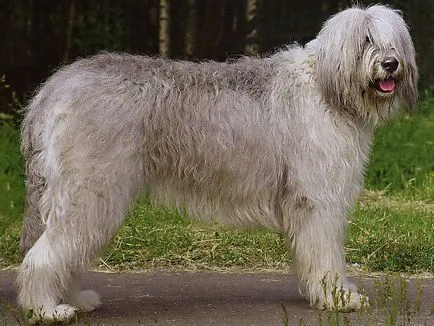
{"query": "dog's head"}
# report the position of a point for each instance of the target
(365, 62)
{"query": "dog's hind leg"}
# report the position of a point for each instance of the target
(84, 210)
(44, 277)
(33, 226)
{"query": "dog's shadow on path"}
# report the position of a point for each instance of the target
(194, 298)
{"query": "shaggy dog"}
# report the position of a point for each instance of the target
(280, 142)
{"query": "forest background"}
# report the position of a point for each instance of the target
(40, 35)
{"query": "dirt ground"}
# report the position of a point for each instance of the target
(211, 298)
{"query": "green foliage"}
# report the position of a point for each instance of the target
(11, 193)
(11, 172)
(101, 27)
(392, 235)
(403, 154)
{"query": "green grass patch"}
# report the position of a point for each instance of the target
(11, 194)
(11, 172)
(402, 159)
(156, 237)
(391, 234)
(391, 229)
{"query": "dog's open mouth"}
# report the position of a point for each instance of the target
(387, 85)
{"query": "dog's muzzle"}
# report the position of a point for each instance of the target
(388, 84)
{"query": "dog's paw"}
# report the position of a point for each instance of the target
(60, 313)
(86, 300)
(344, 300)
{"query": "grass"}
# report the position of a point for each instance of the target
(403, 155)
(11, 194)
(393, 304)
(173, 241)
(390, 229)
(392, 234)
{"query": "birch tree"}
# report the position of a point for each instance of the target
(191, 33)
(251, 47)
(69, 29)
(164, 28)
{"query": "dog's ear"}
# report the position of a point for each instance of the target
(410, 92)
(330, 76)
(337, 52)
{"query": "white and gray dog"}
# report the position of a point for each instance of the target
(280, 142)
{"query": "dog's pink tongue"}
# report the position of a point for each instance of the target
(387, 85)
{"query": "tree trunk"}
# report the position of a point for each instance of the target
(251, 47)
(69, 29)
(191, 33)
(164, 28)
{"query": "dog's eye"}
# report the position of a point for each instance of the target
(367, 39)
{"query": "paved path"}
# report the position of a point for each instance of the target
(209, 298)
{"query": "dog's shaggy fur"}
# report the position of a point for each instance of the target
(279, 142)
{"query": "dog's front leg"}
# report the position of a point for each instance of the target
(317, 244)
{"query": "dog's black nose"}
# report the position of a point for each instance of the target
(390, 64)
